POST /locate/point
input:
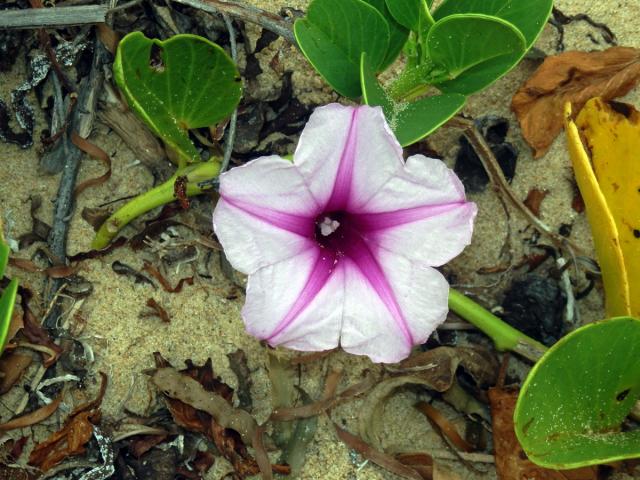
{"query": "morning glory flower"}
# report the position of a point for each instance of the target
(340, 245)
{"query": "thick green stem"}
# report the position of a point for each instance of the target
(504, 336)
(162, 194)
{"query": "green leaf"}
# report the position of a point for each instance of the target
(475, 50)
(177, 84)
(333, 36)
(412, 14)
(576, 397)
(528, 16)
(4, 256)
(7, 301)
(397, 33)
(411, 121)
(459, 42)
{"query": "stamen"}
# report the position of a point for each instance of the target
(328, 226)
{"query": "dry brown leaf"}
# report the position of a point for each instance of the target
(11, 368)
(511, 461)
(445, 426)
(326, 402)
(573, 77)
(534, 200)
(32, 418)
(95, 152)
(188, 390)
(379, 458)
(71, 439)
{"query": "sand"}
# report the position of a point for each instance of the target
(205, 319)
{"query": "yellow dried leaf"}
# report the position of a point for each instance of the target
(604, 229)
(612, 133)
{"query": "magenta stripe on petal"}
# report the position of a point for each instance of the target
(367, 222)
(298, 224)
(360, 253)
(342, 185)
(324, 266)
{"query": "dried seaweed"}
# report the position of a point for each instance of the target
(123, 269)
(156, 311)
(153, 271)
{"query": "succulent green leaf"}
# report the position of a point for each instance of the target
(572, 404)
(398, 34)
(333, 36)
(474, 49)
(177, 84)
(410, 121)
(528, 16)
(7, 301)
(412, 14)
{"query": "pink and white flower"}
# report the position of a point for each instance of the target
(340, 245)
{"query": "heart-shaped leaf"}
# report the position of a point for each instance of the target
(412, 14)
(177, 84)
(528, 16)
(460, 42)
(333, 36)
(398, 34)
(410, 121)
(575, 398)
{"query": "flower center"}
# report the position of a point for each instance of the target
(331, 230)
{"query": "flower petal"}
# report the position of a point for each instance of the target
(296, 303)
(369, 328)
(265, 214)
(347, 154)
(420, 213)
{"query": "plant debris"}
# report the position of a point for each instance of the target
(534, 305)
(379, 458)
(571, 77)
(511, 461)
(72, 439)
(32, 418)
(156, 311)
(201, 403)
(123, 269)
(468, 165)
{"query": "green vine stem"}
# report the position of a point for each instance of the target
(197, 177)
(504, 336)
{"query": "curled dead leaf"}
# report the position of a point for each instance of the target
(32, 418)
(11, 368)
(72, 438)
(379, 458)
(186, 389)
(573, 77)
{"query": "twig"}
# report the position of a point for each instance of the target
(231, 133)
(500, 184)
(59, 16)
(53, 17)
(247, 13)
(82, 123)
